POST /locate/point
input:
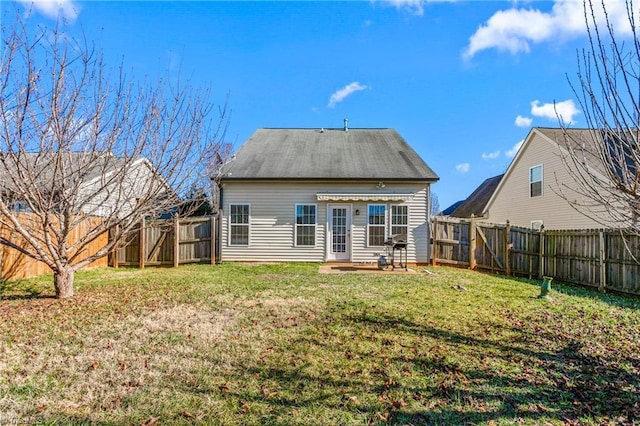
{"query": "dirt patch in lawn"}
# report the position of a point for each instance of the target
(189, 321)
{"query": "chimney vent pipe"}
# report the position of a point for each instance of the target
(346, 124)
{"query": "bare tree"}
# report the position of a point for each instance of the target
(604, 161)
(434, 204)
(85, 151)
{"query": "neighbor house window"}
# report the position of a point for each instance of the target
(399, 219)
(239, 224)
(376, 224)
(535, 181)
(306, 220)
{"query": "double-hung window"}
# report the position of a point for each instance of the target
(400, 219)
(376, 224)
(386, 221)
(239, 224)
(535, 181)
(306, 220)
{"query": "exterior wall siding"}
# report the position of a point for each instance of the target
(272, 222)
(513, 203)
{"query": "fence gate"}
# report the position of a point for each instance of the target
(158, 243)
(490, 247)
(169, 242)
(450, 242)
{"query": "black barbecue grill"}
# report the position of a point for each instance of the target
(397, 243)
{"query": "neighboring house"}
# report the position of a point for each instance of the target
(322, 195)
(536, 189)
(475, 205)
(96, 184)
(451, 208)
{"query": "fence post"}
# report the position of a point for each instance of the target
(603, 269)
(541, 262)
(433, 230)
(214, 231)
(472, 244)
(114, 253)
(507, 248)
(142, 245)
(176, 242)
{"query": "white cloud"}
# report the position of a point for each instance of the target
(463, 167)
(53, 8)
(563, 111)
(514, 149)
(514, 30)
(491, 155)
(523, 121)
(415, 7)
(347, 90)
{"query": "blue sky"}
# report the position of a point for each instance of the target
(462, 81)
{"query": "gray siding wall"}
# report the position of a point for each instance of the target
(272, 222)
(119, 198)
(512, 201)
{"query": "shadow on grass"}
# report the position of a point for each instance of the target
(16, 290)
(515, 381)
(565, 384)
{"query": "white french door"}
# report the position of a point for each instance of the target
(339, 218)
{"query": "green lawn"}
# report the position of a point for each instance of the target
(282, 344)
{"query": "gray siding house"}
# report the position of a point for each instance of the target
(91, 183)
(536, 189)
(323, 195)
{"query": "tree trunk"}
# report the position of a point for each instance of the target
(63, 282)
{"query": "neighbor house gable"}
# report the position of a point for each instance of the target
(541, 156)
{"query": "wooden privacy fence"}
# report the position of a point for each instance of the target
(606, 259)
(15, 265)
(169, 242)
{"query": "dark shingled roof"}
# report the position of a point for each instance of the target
(476, 203)
(377, 154)
(583, 141)
(451, 208)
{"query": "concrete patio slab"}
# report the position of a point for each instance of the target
(356, 268)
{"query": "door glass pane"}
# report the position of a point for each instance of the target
(339, 229)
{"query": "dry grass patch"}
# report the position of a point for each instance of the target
(96, 360)
(93, 372)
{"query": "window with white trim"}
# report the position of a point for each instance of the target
(400, 219)
(535, 181)
(306, 221)
(376, 224)
(239, 215)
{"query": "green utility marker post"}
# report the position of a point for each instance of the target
(545, 287)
